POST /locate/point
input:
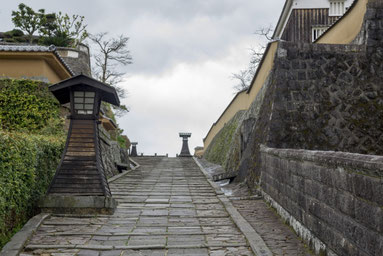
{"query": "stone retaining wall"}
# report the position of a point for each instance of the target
(111, 153)
(331, 196)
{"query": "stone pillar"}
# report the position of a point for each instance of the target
(185, 146)
(134, 149)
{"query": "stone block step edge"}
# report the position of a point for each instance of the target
(257, 244)
(18, 241)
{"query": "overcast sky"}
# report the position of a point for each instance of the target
(184, 52)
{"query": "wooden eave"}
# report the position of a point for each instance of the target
(61, 89)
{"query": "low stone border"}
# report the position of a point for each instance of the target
(258, 246)
(303, 232)
(136, 165)
(116, 177)
(16, 245)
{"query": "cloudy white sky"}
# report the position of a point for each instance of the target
(184, 52)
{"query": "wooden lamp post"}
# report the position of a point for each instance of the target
(80, 184)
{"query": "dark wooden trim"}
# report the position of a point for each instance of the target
(100, 165)
(62, 157)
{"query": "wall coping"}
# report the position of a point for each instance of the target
(368, 164)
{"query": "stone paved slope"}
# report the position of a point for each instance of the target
(166, 207)
(281, 239)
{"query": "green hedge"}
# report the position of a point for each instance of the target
(31, 142)
(28, 105)
(27, 165)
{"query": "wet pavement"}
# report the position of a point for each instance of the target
(166, 207)
(279, 237)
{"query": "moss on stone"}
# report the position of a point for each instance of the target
(218, 150)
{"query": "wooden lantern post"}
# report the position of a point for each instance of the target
(80, 184)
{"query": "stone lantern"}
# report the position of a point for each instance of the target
(185, 146)
(80, 184)
(134, 149)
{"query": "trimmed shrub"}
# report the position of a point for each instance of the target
(32, 139)
(27, 165)
(27, 105)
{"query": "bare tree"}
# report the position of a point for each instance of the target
(245, 76)
(112, 54)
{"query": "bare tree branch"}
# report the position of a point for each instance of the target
(244, 77)
(112, 53)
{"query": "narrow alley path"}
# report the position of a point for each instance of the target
(166, 207)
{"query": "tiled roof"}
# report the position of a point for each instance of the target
(35, 48)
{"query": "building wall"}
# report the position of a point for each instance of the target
(78, 59)
(244, 99)
(306, 4)
(239, 103)
(301, 9)
(35, 69)
(301, 21)
(348, 28)
(332, 199)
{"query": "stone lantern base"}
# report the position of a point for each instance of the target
(61, 204)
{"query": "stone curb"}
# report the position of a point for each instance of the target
(258, 246)
(16, 245)
(136, 165)
(132, 247)
(110, 180)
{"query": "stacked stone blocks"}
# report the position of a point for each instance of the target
(337, 196)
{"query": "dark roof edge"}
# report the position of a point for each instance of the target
(280, 17)
(338, 20)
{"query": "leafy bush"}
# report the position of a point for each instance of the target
(13, 32)
(60, 40)
(31, 142)
(27, 165)
(121, 141)
(28, 105)
(14, 36)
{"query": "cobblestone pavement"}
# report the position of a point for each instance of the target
(280, 238)
(166, 207)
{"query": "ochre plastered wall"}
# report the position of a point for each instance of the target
(243, 100)
(346, 30)
(37, 66)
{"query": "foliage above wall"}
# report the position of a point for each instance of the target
(28, 105)
(59, 28)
